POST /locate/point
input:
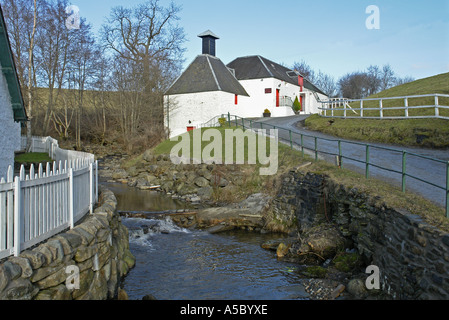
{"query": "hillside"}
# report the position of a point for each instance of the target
(435, 84)
(428, 133)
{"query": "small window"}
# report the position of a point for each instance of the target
(268, 90)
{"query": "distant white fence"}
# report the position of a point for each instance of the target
(51, 146)
(333, 108)
(35, 206)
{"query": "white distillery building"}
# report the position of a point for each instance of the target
(204, 90)
(12, 111)
(245, 87)
(274, 87)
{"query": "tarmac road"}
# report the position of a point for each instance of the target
(422, 168)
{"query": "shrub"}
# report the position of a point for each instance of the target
(296, 105)
(222, 121)
(267, 111)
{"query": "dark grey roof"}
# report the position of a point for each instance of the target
(8, 68)
(208, 33)
(206, 73)
(257, 67)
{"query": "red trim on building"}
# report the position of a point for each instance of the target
(301, 82)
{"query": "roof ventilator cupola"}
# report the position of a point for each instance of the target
(208, 42)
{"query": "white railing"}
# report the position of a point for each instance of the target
(285, 101)
(35, 206)
(336, 106)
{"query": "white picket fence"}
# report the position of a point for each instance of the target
(51, 146)
(35, 206)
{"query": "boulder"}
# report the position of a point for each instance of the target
(282, 250)
(357, 288)
(148, 156)
(201, 182)
(319, 244)
(205, 193)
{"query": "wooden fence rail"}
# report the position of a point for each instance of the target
(429, 106)
(42, 202)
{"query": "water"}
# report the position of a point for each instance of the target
(133, 199)
(178, 264)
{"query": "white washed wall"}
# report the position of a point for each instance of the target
(9, 130)
(312, 107)
(259, 100)
(202, 107)
(198, 108)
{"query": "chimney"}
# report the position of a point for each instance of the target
(208, 42)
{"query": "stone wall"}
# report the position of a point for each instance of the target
(97, 248)
(413, 256)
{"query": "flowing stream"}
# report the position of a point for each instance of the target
(178, 264)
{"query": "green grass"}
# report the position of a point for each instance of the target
(432, 133)
(381, 191)
(167, 146)
(32, 157)
(428, 133)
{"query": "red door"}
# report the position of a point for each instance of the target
(190, 129)
(302, 102)
(277, 97)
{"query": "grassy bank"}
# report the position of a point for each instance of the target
(290, 159)
(32, 157)
(427, 133)
(430, 133)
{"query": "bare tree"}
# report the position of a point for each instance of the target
(305, 70)
(22, 20)
(54, 43)
(83, 70)
(354, 85)
(147, 35)
(102, 95)
(30, 71)
(373, 82)
(399, 81)
(326, 83)
(19, 16)
(387, 78)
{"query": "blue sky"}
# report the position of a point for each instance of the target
(329, 35)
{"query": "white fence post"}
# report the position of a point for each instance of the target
(96, 181)
(406, 107)
(381, 106)
(17, 217)
(3, 224)
(71, 195)
(10, 208)
(437, 111)
(91, 188)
